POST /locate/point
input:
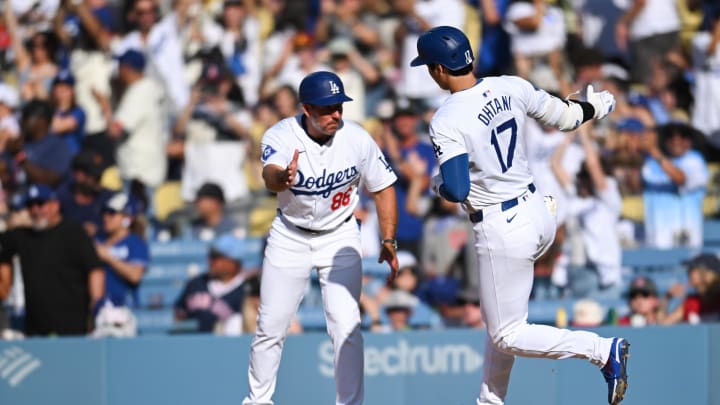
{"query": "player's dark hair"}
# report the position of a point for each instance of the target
(460, 72)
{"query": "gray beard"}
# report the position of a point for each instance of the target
(40, 224)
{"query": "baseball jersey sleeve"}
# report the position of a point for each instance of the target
(446, 141)
(377, 172)
(273, 150)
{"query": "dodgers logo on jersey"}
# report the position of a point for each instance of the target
(267, 152)
(334, 88)
(325, 183)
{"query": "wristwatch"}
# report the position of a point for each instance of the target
(393, 242)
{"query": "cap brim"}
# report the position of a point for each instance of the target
(337, 99)
(418, 61)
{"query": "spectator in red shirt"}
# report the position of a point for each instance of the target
(704, 304)
(643, 301)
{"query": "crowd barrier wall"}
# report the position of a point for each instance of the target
(668, 365)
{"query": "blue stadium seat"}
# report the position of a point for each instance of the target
(159, 296)
(176, 250)
(711, 234)
(655, 259)
(154, 321)
(170, 273)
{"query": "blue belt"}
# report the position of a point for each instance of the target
(477, 216)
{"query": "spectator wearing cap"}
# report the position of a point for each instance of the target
(42, 158)
(472, 317)
(82, 197)
(399, 308)
(413, 161)
(69, 119)
(644, 303)
(212, 220)
(215, 298)
(9, 126)
(215, 111)
(62, 274)
(122, 248)
(675, 177)
(138, 124)
(157, 40)
(587, 313)
(627, 156)
(704, 304)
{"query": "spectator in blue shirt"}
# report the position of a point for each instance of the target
(675, 177)
(215, 298)
(123, 250)
(408, 154)
(69, 119)
(38, 157)
(82, 198)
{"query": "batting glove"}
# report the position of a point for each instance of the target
(603, 102)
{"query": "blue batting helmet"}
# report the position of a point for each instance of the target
(447, 46)
(322, 88)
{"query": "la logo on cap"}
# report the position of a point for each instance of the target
(468, 57)
(334, 88)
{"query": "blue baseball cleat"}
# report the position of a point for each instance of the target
(615, 370)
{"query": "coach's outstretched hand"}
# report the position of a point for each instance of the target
(388, 254)
(291, 170)
(603, 102)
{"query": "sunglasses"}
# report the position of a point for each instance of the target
(110, 211)
(643, 294)
(35, 203)
(145, 11)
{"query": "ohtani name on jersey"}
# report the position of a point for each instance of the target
(492, 107)
(325, 183)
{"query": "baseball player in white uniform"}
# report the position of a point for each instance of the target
(316, 163)
(478, 142)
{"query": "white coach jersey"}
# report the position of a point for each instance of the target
(325, 192)
(486, 122)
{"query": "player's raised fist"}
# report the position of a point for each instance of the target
(603, 102)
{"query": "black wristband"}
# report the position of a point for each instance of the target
(587, 109)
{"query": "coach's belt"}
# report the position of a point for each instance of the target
(313, 231)
(477, 216)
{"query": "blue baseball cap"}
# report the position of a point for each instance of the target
(230, 246)
(39, 193)
(64, 77)
(630, 124)
(322, 88)
(121, 202)
(133, 59)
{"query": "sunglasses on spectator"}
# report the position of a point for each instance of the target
(33, 203)
(145, 11)
(110, 211)
(643, 294)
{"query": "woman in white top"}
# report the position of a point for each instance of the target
(594, 198)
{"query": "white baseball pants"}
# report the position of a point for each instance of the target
(507, 245)
(290, 256)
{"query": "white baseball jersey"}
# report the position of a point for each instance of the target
(325, 192)
(485, 122)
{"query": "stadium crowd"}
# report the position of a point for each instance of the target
(126, 124)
